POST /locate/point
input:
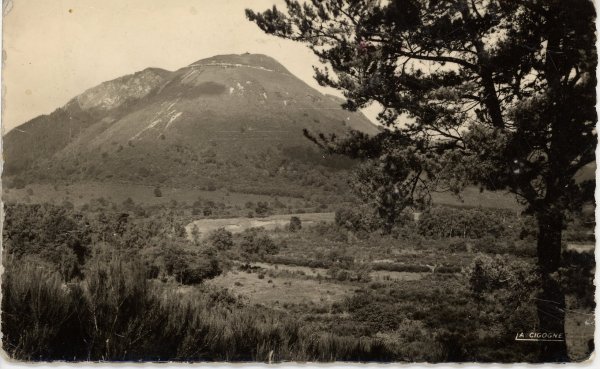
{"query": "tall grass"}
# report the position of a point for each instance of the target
(38, 312)
(114, 313)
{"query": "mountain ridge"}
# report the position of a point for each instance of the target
(219, 115)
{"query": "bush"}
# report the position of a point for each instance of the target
(38, 313)
(190, 268)
(56, 235)
(221, 239)
(488, 274)
(295, 224)
(349, 219)
(254, 243)
(120, 305)
(262, 209)
(200, 271)
(446, 222)
(457, 245)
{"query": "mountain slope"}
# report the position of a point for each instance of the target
(234, 119)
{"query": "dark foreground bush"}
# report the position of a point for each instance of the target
(116, 314)
(38, 312)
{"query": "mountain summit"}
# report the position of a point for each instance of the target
(230, 118)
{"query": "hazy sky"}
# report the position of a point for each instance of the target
(56, 49)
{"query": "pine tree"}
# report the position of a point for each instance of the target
(497, 93)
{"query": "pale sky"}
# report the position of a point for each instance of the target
(56, 49)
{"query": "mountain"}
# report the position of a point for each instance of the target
(236, 120)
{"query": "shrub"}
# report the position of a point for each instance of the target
(258, 244)
(349, 219)
(38, 313)
(190, 268)
(221, 239)
(362, 272)
(119, 307)
(502, 272)
(445, 222)
(262, 209)
(457, 245)
(295, 224)
(201, 270)
(157, 192)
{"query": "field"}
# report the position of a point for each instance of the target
(283, 287)
(237, 225)
(244, 278)
(82, 193)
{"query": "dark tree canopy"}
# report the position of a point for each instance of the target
(500, 91)
(497, 93)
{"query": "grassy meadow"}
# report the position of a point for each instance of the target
(123, 272)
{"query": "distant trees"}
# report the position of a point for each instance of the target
(446, 222)
(65, 240)
(50, 233)
(356, 219)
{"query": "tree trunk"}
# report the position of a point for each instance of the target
(551, 302)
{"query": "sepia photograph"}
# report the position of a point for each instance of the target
(298, 181)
